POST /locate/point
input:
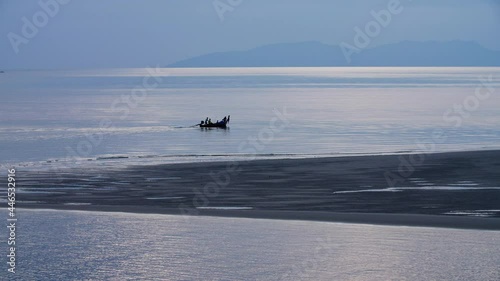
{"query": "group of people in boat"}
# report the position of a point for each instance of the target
(208, 121)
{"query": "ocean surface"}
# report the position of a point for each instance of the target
(72, 245)
(120, 117)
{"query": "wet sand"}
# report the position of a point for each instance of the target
(419, 190)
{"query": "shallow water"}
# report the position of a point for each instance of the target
(71, 245)
(52, 118)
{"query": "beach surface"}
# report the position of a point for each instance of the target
(453, 189)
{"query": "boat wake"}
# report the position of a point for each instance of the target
(29, 133)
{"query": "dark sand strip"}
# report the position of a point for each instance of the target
(316, 188)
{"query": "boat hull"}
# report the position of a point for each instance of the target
(221, 126)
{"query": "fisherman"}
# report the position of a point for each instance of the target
(206, 121)
(224, 120)
(210, 121)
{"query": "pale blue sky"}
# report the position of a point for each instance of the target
(131, 33)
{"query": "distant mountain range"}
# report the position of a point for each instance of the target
(406, 53)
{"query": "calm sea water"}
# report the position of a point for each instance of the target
(66, 245)
(54, 117)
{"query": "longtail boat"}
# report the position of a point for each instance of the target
(221, 124)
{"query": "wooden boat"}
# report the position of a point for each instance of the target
(221, 124)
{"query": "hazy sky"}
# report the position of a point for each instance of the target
(132, 33)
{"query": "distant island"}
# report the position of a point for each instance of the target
(316, 54)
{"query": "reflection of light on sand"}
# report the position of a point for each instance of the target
(399, 189)
(77, 204)
(24, 190)
(164, 198)
(389, 189)
(466, 183)
(421, 182)
(424, 182)
(224, 208)
(62, 189)
(165, 178)
(474, 213)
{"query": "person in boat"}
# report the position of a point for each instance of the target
(210, 121)
(224, 120)
(206, 120)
